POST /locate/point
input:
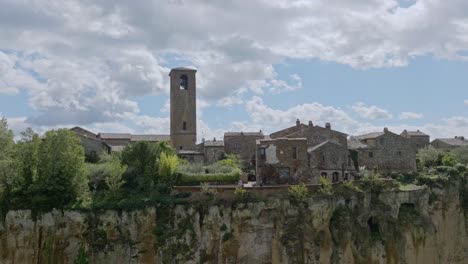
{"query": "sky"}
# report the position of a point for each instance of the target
(361, 65)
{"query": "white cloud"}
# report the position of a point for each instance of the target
(371, 112)
(466, 101)
(84, 62)
(410, 115)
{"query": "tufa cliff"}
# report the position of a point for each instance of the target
(420, 225)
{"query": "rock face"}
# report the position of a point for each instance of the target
(418, 226)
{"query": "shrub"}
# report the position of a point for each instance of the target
(429, 157)
(326, 186)
(114, 177)
(461, 155)
(207, 190)
(196, 179)
(168, 164)
(240, 193)
(231, 160)
(449, 159)
(298, 192)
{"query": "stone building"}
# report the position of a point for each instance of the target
(92, 145)
(213, 150)
(281, 161)
(384, 152)
(448, 144)
(331, 160)
(417, 138)
(183, 108)
(242, 144)
(118, 141)
(324, 150)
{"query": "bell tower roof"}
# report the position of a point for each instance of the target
(182, 69)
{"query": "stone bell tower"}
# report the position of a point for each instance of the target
(183, 108)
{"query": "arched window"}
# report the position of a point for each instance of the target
(324, 174)
(335, 177)
(184, 125)
(183, 82)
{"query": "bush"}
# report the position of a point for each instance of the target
(449, 159)
(231, 160)
(240, 193)
(429, 157)
(221, 178)
(299, 193)
(461, 155)
(326, 186)
(207, 190)
(167, 168)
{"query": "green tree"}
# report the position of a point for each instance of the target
(449, 159)
(9, 180)
(27, 156)
(62, 175)
(231, 160)
(114, 177)
(461, 155)
(429, 157)
(142, 159)
(168, 164)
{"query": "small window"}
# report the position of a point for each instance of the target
(346, 176)
(323, 158)
(180, 147)
(184, 125)
(399, 153)
(183, 82)
(371, 154)
(417, 145)
(262, 153)
(324, 174)
(335, 177)
(294, 153)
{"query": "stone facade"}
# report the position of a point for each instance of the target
(417, 138)
(316, 135)
(282, 161)
(242, 144)
(213, 150)
(332, 161)
(384, 152)
(448, 144)
(92, 145)
(183, 108)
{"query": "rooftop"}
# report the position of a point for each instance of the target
(456, 141)
(150, 137)
(414, 133)
(230, 134)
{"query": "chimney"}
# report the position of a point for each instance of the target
(261, 132)
(311, 124)
(328, 125)
(385, 130)
(242, 133)
(214, 139)
(461, 137)
(298, 123)
(203, 140)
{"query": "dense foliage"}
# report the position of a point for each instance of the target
(226, 171)
(50, 171)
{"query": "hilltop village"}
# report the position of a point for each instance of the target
(301, 153)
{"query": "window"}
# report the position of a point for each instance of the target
(183, 82)
(346, 176)
(180, 147)
(323, 158)
(184, 125)
(283, 172)
(324, 174)
(262, 153)
(294, 153)
(371, 154)
(335, 177)
(399, 153)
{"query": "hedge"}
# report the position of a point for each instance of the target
(215, 178)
